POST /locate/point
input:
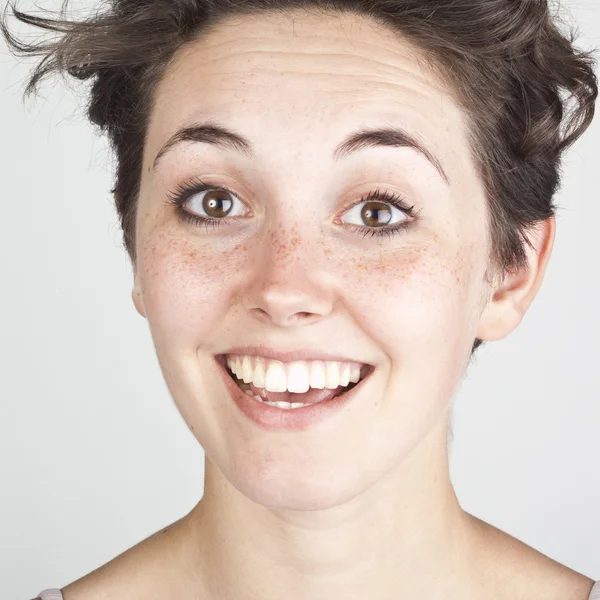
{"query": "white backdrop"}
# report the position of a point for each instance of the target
(94, 456)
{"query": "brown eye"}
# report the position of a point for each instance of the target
(373, 213)
(376, 213)
(215, 203)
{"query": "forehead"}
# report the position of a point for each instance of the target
(287, 79)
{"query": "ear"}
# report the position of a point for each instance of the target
(510, 301)
(136, 296)
(136, 293)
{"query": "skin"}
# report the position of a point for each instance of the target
(360, 506)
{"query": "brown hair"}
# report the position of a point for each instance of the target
(528, 94)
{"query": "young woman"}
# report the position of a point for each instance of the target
(329, 206)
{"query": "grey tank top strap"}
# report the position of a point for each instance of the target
(51, 594)
(56, 594)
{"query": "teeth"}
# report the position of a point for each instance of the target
(345, 373)
(258, 377)
(317, 375)
(298, 377)
(247, 375)
(284, 405)
(275, 379)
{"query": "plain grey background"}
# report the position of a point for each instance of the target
(94, 456)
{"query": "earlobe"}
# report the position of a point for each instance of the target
(136, 296)
(505, 310)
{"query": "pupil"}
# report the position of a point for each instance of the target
(372, 214)
(212, 202)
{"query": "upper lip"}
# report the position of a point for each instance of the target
(290, 356)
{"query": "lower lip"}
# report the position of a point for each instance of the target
(273, 418)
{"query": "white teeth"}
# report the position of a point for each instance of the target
(258, 378)
(345, 374)
(247, 374)
(332, 374)
(298, 377)
(275, 379)
(317, 374)
(284, 405)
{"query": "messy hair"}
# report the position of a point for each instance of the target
(527, 93)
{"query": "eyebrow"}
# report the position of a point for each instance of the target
(218, 135)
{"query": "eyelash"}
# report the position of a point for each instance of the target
(185, 191)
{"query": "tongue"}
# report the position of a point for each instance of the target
(313, 395)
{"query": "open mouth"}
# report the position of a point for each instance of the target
(293, 398)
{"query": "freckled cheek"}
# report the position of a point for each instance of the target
(404, 293)
(411, 297)
(184, 288)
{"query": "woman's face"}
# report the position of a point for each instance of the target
(296, 265)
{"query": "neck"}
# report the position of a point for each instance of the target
(405, 536)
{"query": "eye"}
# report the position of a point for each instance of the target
(197, 197)
(377, 210)
(214, 203)
(377, 214)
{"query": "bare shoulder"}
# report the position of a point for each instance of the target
(138, 572)
(517, 571)
(506, 569)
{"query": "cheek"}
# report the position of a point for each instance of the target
(413, 296)
(183, 287)
(420, 318)
(402, 298)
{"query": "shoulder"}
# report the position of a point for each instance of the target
(135, 573)
(514, 570)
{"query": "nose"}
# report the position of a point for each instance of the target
(288, 284)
